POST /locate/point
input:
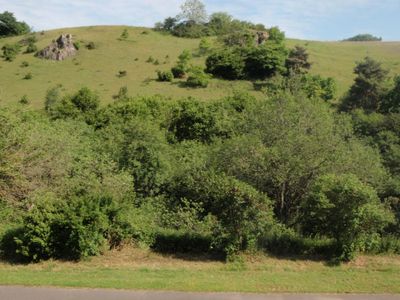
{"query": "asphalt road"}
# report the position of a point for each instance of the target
(33, 293)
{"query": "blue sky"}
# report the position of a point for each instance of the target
(305, 19)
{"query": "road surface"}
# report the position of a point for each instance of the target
(46, 293)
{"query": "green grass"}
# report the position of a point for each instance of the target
(98, 68)
(261, 274)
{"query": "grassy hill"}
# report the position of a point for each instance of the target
(98, 68)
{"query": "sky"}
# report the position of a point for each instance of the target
(303, 19)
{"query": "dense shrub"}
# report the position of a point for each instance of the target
(165, 76)
(75, 229)
(178, 71)
(242, 212)
(9, 26)
(91, 46)
(227, 64)
(173, 241)
(343, 208)
(10, 52)
(197, 78)
(32, 48)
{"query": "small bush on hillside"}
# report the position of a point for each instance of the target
(10, 52)
(91, 46)
(28, 76)
(124, 34)
(32, 48)
(77, 45)
(24, 64)
(197, 78)
(165, 76)
(150, 59)
(122, 93)
(122, 73)
(24, 100)
(156, 62)
(178, 71)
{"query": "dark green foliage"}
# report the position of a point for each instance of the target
(317, 86)
(242, 212)
(366, 37)
(32, 48)
(182, 65)
(391, 103)
(24, 64)
(265, 61)
(197, 78)
(71, 230)
(122, 73)
(190, 29)
(24, 100)
(297, 61)
(343, 208)
(172, 241)
(165, 76)
(276, 35)
(283, 242)
(227, 64)
(124, 34)
(28, 76)
(369, 88)
(77, 45)
(178, 71)
(193, 120)
(85, 100)
(10, 52)
(91, 46)
(9, 26)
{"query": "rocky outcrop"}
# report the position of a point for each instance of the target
(261, 37)
(59, 49)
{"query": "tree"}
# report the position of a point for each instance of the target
(9, 26)
(10, 52)
(276, 35)
(124, 34)
(194, 11)
(391, 103)
(265, 61)
(297, 62)
(344, 208)
(369, 88)
(220, 23)
(366, 37)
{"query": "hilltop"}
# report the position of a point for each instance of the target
(98, 69)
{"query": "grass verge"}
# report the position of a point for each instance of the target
(141, 269)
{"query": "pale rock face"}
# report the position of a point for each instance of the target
(59, 49)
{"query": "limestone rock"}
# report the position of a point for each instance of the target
(59, 49)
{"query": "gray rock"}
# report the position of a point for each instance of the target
(59, 49)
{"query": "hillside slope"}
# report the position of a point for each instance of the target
(98, 68)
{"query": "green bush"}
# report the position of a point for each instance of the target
(242, 213)
(197, 78)
(165, 76)
(77, 45)
(343, 208)
(178, 71)
(227, 64)
(32, 48)
(173, 241)
(24, 100)
(24, 64)
(28, 76)
(72, 230)
(91, 46)
(10, 52)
